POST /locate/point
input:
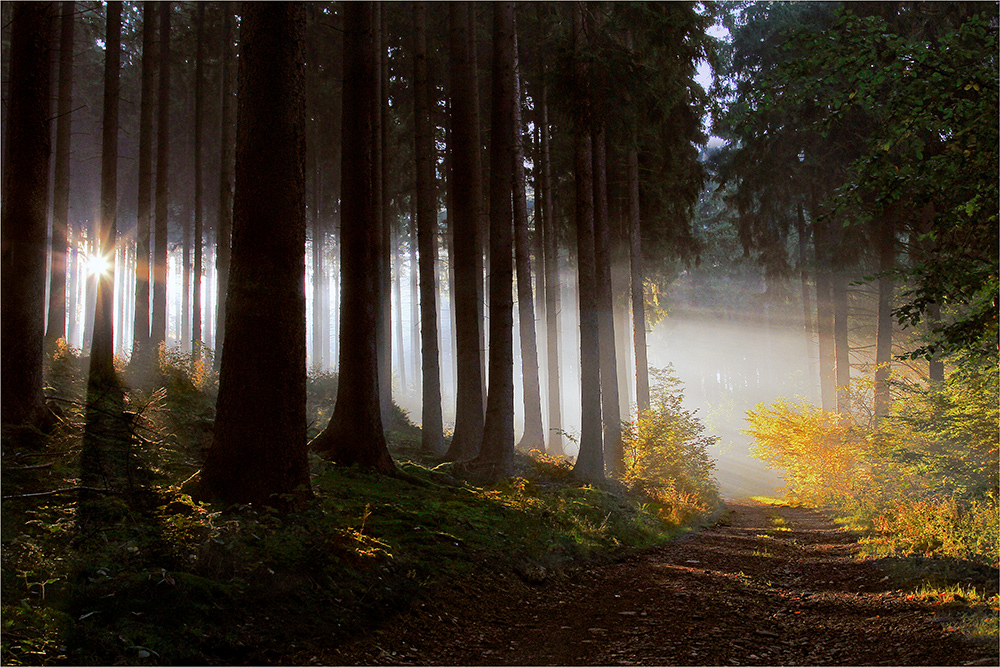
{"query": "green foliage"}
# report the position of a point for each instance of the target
(924, 480)
(889, 114)
(171, 580)
(666, 452)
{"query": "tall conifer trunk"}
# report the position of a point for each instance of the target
(25, 200)
(841, 344)
(590, 459)
(638, 291)
(185, 314)
(467, 259)
(105, 460)
(533, 437)
(824, 315)
(140, 335)
(415, 302)
(496, 455)
(552, 301)
(383, 332)
(355, 433)
(158, 324)
(807, 308)
(199, 123)
(432, 427)
(56, 328)
(258, 450)
(610, 407)
(224, 226)
(886, 247)
(102, 349)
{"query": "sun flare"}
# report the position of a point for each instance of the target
(98, 265)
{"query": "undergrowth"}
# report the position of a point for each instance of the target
(920, 485)
(171, 580)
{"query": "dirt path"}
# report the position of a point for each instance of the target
(768, 585)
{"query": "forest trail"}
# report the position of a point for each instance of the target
(765, 585)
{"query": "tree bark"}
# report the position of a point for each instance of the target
(886, 248)
(824, 316)
(140, 336)
(431, 419)
(841, 343)
(258, 451)
(415, 301)
(383, 332)
(533, 437)
(25, 203)
(496, 455)
(397, 292)
(467, 260)
(158, 326)
(590, 459)
(102, 348)
(106, 460)
(185, 314)
(224, 225)
(610, 406)
(552, 301)
(807, 308)
(638, 290)
(355, 433)
(199, 124)
(60, 194)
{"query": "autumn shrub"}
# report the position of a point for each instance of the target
(922, 481)
(666, 453)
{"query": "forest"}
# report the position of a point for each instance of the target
(422, 332)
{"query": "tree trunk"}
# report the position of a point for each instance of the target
(383, 335)
(824, 315)
(533, 437)
(317, 278)
(185, 335)
(25, 200)
(552, 305)
(225, 221)
(140, 337)
(496, 455)
(415, 304)
(590, 459)
(397, 291)
(638, 290)
(158, 326)
(610, 405)
(482, 203)
(258, 450)
(423, 146)
(60, 195)
(355, 434)
(199, 123)
(807, 308)
(841, 343)
(935, 367)
(72, 327)
(467, 260)
(105, 460)
(886, 248)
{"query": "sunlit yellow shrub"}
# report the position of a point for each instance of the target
(666, 453)
(923, 480)
(820, 454)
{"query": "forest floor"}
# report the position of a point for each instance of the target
(767, 584)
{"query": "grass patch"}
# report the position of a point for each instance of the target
(171, 580)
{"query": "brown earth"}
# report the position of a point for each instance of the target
(768, 585)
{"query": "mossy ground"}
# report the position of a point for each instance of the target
(170, 580)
